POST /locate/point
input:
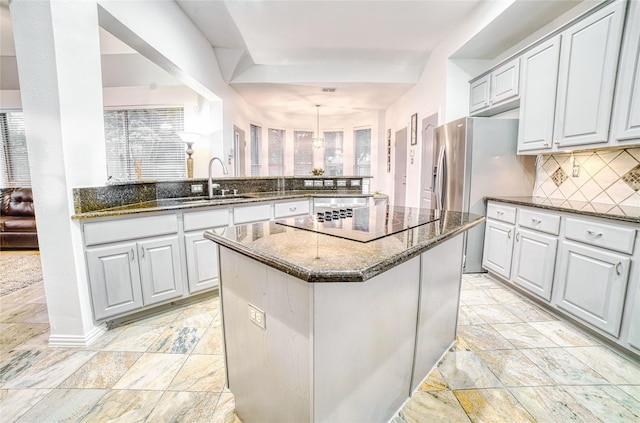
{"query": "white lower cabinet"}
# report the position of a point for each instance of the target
(592, 284)
(534, 262)
(125, 277)
(498, 247)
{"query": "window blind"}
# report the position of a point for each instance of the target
(14, 156)
(276, 152)
(333, 150)
(302, 153)
(144, 144)
(256, 140)
(362, 139)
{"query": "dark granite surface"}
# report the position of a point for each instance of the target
(607, 211)
(156, 205)
(139, 197)
(315, 257)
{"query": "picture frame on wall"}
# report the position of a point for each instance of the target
(414, 129)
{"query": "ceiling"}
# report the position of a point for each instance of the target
(278, 55)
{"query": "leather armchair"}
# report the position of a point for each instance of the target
(18, 219)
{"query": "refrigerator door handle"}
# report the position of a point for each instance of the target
(439, 178)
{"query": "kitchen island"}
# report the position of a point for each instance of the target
(338, 320)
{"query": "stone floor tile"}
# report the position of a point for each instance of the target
(48, 372)
(563, 334)
(177, 340)
(17, 361)
(613, 367)
(464, 369)
(185, 407)
(483, 337)
(522, 335)
(529, 312)
(433, 406)
(123, 406)
(63, 405)
(495, 313)
(513, 368)
(476, 297)
(200, 373)
(609, 403)
(552, 404)
(225, 410)
(152, 371)
(197, 317)
(19, 333)
(14, 403)
(135, 338)
(103, 370)
(492, 406)
(434, 382)
(563, 368)
(633, 390)
(466, 316)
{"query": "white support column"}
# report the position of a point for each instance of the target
(58, 55)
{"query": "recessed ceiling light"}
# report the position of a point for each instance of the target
(328, 90)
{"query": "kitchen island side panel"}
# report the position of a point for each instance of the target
(364, 340)
(441, 277)
(269, 370)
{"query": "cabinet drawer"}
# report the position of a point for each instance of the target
(121, 230)
(501, 212)
(251, 213)
(613, 237)
(206, 219)
(291, 208)
(539, 221)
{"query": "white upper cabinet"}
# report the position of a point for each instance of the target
(626, 115)
(479, 94)
(505, 82)
(586, 78)
(497, 91)
(538, 96)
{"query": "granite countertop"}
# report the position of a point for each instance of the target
(607, 211)
(317, 257)
(164, 204)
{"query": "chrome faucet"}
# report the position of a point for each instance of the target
(224, 171)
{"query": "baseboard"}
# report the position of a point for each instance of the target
(77, 340)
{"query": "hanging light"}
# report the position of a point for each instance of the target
(318, 141)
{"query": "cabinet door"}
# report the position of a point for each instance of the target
(114, 280)
(539, 69)
(626, 116)
(588, 64)
(498, 248)
(160, 269)
(505, 82)
(534, 262)
(592, 284)
(479, 94)
(202, 262)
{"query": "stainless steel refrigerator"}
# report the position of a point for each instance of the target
(474, 158)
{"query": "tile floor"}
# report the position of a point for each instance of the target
(513, 362)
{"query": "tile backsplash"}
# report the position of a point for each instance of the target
(606, 176)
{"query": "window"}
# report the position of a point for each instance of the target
(302, 153)
(15, 160)
(276, 152)
(143, 144)
(333, 159)
(362, 139)
(256, 140)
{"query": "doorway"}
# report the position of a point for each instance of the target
(240, 147)
(400, 179)
(428, 126)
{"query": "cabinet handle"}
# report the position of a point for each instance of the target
(536, 221)
(546, 144)
(509, 234)
(618, 265)
(293, 208)
(500, 213)
(594, 233)
(557, 142)
(132, 255)
(518, 236)
(142, 251)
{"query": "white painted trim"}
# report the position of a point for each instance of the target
(77, 340)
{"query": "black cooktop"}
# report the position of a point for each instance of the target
(363, 224)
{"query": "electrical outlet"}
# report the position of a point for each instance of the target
(257, 316)
(196, 188)
(576, 170)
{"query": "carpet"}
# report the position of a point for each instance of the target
(19, 271)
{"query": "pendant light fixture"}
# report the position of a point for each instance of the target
(318, 141)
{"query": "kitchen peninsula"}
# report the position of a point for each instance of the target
(338, 320)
